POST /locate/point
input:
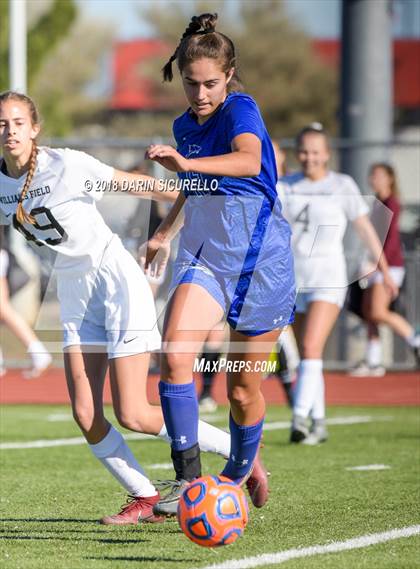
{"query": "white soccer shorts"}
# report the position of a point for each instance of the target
(332, 295)
(110, 306)
(397, 275)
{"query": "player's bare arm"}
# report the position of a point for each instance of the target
(369, 236)
(160, 242)
(142, 186)
(243, 161)
(172, 222)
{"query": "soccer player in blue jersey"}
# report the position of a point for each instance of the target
(234, 258)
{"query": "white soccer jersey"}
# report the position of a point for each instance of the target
(61, 198)
(318, 213)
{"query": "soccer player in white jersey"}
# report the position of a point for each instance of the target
(106, 305)
(318, 203)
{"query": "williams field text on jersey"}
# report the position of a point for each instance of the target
(37, 192)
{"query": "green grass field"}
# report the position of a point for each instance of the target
(52, 497)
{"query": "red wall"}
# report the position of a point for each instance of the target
(135, 89)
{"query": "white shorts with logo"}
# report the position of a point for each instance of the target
(110, 306)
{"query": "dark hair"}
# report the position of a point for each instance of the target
(313, 128)
(21, 215)
(200, 40)
(390, 170)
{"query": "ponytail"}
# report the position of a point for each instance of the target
(197, 22)
(21, 215)
(200, 40)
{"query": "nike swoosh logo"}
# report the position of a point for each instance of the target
(8, 214)
(128, 341)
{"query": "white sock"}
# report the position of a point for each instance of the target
(116, 456)
(318, 409)
(374, 352)
(210, 438)
(288, 343)
(413, 340)
(37, 347)
(40, 356)
(307, 385)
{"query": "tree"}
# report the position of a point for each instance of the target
(47, 33)
(276, 61)
(43, 36)
(292, 86)
(61, 87)
(59, 70)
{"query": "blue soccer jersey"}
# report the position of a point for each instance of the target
(230, 223)
(235, 241)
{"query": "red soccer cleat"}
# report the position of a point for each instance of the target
(257, 483)
(136, 510)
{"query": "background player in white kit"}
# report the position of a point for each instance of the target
(318, 204)
(106, 306)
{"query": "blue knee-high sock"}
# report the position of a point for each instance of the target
(244, 444)
(180, 411)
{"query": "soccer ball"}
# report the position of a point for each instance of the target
(213, 511)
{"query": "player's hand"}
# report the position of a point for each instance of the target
(167, 157)
(153, 256)
(390, 286)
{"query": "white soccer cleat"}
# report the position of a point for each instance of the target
(362, 369)
(299, 431)
(318, 433)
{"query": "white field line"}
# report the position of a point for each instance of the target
(214, 417)
(369, 467)
(63, 442)
(335, 547)
(60, 417)
(351, 420)
(279, 425)
(160, 466)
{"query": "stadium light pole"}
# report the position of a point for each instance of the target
(366, 84)
(17, 45)
(366, 110)
(18, 82)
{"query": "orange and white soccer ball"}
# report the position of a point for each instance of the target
(213, 511)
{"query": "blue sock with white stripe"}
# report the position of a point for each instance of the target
(245, 440)
(180, 411)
